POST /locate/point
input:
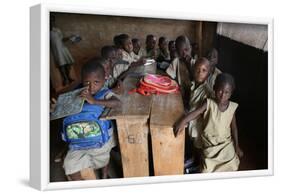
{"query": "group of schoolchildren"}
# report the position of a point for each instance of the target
(209, 118)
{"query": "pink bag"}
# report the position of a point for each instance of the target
(156, 84)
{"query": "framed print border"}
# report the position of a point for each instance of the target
(39, 96)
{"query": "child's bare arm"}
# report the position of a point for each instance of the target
(112, 102)
(124, 74)
(234, 133)
(140, 62)
(189, 117)
(131, 68)
(119, 88)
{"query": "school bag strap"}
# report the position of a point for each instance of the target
(96, 134)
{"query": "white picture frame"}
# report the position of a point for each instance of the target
(39, 102)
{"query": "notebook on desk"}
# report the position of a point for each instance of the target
(68, 104)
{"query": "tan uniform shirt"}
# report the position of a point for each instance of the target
(218, 148)
(196, 98)
(212, 78)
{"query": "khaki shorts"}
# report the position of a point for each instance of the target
(95, 158)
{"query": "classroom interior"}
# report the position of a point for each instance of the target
(248, 65)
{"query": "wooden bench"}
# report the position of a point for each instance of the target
(168, 151)
(132, 123)
(162, 111)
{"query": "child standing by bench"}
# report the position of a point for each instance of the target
(220, 147)
(198, 93)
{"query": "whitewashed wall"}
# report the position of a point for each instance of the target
(250, 34)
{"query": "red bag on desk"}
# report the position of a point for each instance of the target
(156, 84)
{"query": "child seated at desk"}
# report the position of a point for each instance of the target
(172, 50)
(137, 49)
(127, 59)
(90, 139)
(120, 65)
(163, 50)
(212, 56)
(163, 55)
(127, 51)
(150, 50)
(108, 59)
(111, 82)
(180, 67)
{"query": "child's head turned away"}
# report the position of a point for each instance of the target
(93, 75)
(212, 56)
(201, 70)
(224, 87)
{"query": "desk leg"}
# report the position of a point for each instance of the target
(168, 151)
(132, 135)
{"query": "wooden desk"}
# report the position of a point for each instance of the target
(168, 151)
(132, 123)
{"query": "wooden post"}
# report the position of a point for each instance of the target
(199, 37)
(168, 150)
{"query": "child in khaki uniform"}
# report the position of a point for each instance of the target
(198, 93)
(137, 49)
(127, 58)
(163, 55)
(108, 60)
(150, 50)
(127, 51)
(212, 56)
(220, 147)
(172, 50)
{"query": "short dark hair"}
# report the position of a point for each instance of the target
(181, 40)
(93, 65)
(149, 36)
(106, 51)
(171, 42)
(224, 78)
(202, 60)
(211, 52)
(135, 40)
(161, 40)
(122, 38)
(116, 41)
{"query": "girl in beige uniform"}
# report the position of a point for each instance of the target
(220, 147)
